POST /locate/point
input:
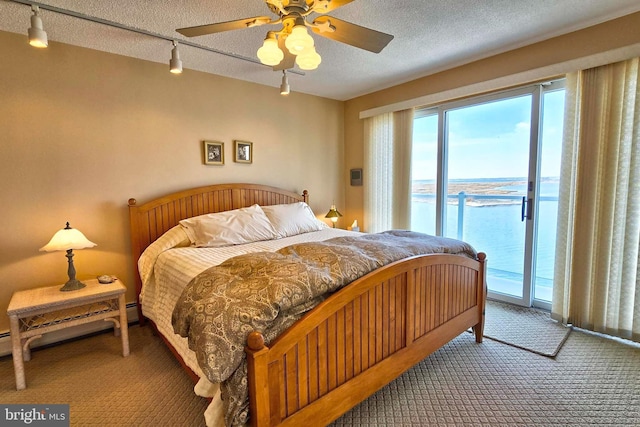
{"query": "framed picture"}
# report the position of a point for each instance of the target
(243, 152)
(213, 153)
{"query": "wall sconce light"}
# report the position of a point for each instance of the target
(175, 64)
(37, 35)
(284, 86)
(68, 239)
(333, 215)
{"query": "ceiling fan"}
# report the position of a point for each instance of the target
(292, 43)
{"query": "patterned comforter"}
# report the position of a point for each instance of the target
(268, 291)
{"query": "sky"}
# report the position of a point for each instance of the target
(490, 140)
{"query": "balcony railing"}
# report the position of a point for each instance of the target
(462, 198)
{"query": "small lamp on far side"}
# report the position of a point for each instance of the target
(333, 215)
(68, 239)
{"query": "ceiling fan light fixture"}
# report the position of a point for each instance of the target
(37, 35)
(309, 59)
(175, 64)
(298, 40)
(270, 53)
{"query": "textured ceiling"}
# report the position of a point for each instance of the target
(430, 35)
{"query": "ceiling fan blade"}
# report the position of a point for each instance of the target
(352, 34)
(326, 6)
(289, 59)
(202, 30)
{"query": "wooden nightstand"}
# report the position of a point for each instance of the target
(35, 312)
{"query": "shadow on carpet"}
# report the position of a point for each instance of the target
(526, 328)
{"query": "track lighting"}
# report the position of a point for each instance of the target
(175, 64)
(38, 38)
(37, 35)
(284, 86)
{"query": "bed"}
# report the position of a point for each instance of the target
(346, 348)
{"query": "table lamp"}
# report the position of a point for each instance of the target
(333, 215)
(68, 239)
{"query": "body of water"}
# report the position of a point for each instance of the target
(497, 228)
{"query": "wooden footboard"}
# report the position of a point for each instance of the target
(363, 337)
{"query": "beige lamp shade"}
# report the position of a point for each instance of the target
(67, 238)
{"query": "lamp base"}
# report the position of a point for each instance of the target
(72, 285)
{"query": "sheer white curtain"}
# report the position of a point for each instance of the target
(596, 284)
(387, 171)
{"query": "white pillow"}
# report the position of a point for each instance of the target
(293, 218)
(228, 228)
(175, 237)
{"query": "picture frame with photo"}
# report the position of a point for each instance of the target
(243, 152)
(213, 153)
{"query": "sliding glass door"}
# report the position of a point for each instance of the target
(484, 171)
(486, 181)
(548, 191)
(424, 167)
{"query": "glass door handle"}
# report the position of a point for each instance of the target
(525, 212)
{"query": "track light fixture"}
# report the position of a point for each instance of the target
(37, 35)
(175, 64)
(284, 86)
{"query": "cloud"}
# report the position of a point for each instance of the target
(522, 127)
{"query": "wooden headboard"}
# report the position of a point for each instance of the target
(152, 219)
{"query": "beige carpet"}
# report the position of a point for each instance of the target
(592, 381)
(147, 388)
(526, 328)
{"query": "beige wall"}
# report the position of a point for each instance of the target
(555, 56)
(82, 131)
